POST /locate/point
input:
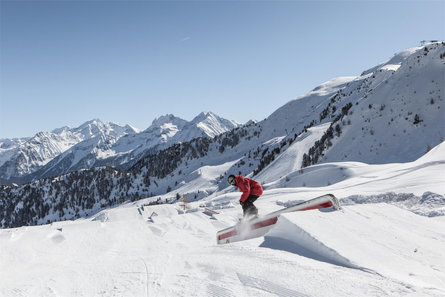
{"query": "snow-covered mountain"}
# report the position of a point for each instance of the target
(21, 157)
(163, 132)
(391, 113)
(121, 233)
(123, 149)
(399, 113)
(385, 241)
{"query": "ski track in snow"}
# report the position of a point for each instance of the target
(268, 286)
(176, 255)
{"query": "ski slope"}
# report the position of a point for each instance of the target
(121, 253)
(368, 249)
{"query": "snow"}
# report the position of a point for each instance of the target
(292, 158)
(410, 251)
(396, 60)
(96, 143)
(6, 154)
(382, 125)
(390, 67)
(331, 86)
(367, 249)
(302, 110)
(387, 240)
(20, 157)
(205, 179)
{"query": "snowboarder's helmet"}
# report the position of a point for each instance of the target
(232, 180)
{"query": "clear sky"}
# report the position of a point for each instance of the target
(67, 62)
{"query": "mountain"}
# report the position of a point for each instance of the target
(206, 124)
(386, 241)
(23, 157)
(399, 109)
(163, 132)
(124, 149)
(392, 113)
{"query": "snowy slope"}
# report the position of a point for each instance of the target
(426, 172)
(31, 154)
(206, 124)
(391, 113)
(106, 144)
(387, 241)
(379, 238)
(400, 115)
(341, 120)
(8, 148)
(291, 159)
(20, 157)
(364, 250)
(163, 132)
(300, 112)
(123, 152)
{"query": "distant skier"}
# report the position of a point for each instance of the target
(251, 191)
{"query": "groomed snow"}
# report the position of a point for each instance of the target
(378, 238)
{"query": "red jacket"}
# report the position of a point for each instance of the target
(248, 186)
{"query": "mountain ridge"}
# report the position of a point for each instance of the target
(314, 129)
(95, 143)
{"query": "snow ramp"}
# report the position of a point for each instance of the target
(289, 237)
(379, 238)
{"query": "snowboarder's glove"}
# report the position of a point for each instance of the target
(241, 202)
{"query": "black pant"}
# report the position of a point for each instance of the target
(248, 208)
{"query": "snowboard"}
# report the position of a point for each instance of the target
(256, 227)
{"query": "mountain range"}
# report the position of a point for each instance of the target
(96, 143)
(391, 113)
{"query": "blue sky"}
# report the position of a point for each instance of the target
(67, 62)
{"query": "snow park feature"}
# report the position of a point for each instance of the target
(149, 229)
(256, 227)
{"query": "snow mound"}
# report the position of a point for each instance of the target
(429, 204)
(289, 203)
(290, 237)
(379, 238)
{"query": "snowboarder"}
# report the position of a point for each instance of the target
(251, 191)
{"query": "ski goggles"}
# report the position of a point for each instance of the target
(232, 180)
